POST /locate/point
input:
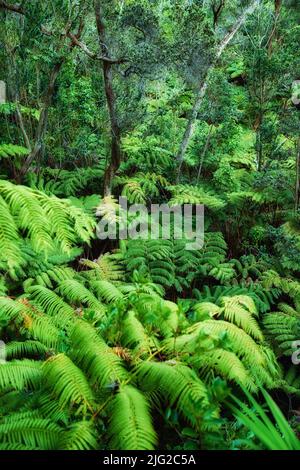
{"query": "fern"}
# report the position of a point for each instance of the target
(178, 384)
(20, 374)
(68, 383)
(32, 432)
(80, 435)
(11, 150)
(130, 425)
(185, 194)
(40, 218)
(99, 361)
(76, 293)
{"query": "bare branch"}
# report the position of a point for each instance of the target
(189, 131)
(91, 54)
(16, 8)
(217, 10)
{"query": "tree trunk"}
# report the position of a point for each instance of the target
(189, 131)
(278, 4)
(217, 11)
(204, 152)
(43, 119)
(115, 156)
(273, 35)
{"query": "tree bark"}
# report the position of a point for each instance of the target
(15, 8)
(277, 10)
(22, 126)
(115, 156)
(217, 10)
(47, 101)
(189, 131)
(204, 151)
(278, 4)
(43, 119)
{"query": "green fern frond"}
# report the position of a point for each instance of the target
(130, 426)
(185, 194)
(105, 268)
(81, 435)
(241, 343)
(77, 293)
(93, 355)
(240, 309)
(228, 365)
(107, 291)
(11, 150)
(9, 238)
(178, 384)
(68, 383)
(20, 374)
(33, 433)
(50, 303)
(25, 349)
(134, 334)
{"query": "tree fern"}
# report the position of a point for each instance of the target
(130, 425)
(81, 435)
(91, 352)
(33, 433)
(20, 374)
(68, 383)
(41, 218)
(178, 384)
(78, 294)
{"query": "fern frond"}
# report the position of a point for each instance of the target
(240, 342)
(107, 291)
(77, 293)
(68, 383)
(228, 365)
(178, 384)
(81, 435)
(34, 433)
(25, 348)
(50, 303)
(20, 374)
(134, 334)
(130, 426)
(239, 310)
(93, 355)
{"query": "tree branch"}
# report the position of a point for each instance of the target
(217, 10)
(189, 131)
(16, 8)
(91, 54)
(22, 127)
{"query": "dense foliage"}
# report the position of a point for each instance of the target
(144, 344)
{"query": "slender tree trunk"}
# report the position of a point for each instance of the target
(189, 131)
(115, 157)
(217, 11)
(259, 149)
(204, 152)
(278, 4)
(15, 92)
(22, 126)
(43, 119)
(297, 185)
(273, 35)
